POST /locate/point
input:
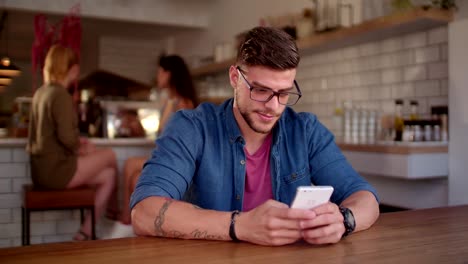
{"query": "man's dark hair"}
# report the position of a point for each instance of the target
(269, 47)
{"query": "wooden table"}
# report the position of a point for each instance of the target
(437, 235)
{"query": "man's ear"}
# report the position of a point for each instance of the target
(233, 76)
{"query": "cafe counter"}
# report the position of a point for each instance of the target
(408, 175)
(49, 226)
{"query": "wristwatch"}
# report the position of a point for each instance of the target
(349, 222)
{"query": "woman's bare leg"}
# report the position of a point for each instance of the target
(98, 169)
(132, 169)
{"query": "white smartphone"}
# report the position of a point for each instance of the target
(308, 197)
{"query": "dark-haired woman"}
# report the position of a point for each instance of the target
(174, 77)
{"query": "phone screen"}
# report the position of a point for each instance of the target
(308, 197)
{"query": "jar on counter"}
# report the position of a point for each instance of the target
(427, 133)
(436, 135)
(418, 135)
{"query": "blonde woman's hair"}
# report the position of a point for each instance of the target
(58, 62)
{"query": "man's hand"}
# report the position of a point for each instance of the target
(272, 223)
(327, 227)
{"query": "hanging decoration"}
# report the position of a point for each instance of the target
(66, 32)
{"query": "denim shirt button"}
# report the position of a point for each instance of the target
(242, 162)
(294, 176)
(238, 197)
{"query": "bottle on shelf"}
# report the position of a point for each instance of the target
(338, 116)
(347, 121)
(427, 133)
(418, 133)
(414, 110)
(363, 125)
(372, 126)
(408, 134)
(444, 127)
(398, 121)
(355, 111)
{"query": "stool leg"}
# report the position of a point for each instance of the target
(23, 227)
(27, 226)
(81, 215)
(93, 224)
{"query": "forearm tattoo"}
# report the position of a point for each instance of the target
(159, 221)
(196, 234)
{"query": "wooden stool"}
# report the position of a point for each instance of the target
(37, 199)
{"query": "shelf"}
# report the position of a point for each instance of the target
(214, 99)
(212, 68)
(371, 30)
(376, 29)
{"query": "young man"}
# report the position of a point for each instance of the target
(249, 155)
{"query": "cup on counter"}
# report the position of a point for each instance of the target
(224, 51)
(3, 132)
(218, 52)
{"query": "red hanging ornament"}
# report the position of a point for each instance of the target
(66, 32)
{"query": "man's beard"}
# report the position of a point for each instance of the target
(250, 122)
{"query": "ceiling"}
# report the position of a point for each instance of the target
(20, 30)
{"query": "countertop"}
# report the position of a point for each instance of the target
(398, 147)
(21, 142)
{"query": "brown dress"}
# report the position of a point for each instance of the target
(53, 137)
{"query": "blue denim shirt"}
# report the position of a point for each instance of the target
(200, 158)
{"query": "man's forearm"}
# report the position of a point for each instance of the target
(164, 217)
(365, 209)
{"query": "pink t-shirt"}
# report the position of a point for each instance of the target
(258, 187)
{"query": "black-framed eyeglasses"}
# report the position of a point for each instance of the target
(263, 94)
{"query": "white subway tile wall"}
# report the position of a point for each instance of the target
(46, 226)
(374, 74)
(131, 58)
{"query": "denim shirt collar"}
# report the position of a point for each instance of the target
(233, 129)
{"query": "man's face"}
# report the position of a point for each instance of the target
(260, 117)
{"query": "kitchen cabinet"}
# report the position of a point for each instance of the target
(405, 175)
(398, 23)
(405, 160)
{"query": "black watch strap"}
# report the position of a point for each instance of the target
(232, 230)
(348, 220)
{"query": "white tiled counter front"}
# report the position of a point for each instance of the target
(49, 226)
(405, 175)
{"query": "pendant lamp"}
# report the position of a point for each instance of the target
(7, 68)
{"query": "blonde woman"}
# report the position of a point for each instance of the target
(59, 158)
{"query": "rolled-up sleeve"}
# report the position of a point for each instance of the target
(330, 167)
(169, 171)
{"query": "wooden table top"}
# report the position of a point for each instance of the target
(438, 235)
